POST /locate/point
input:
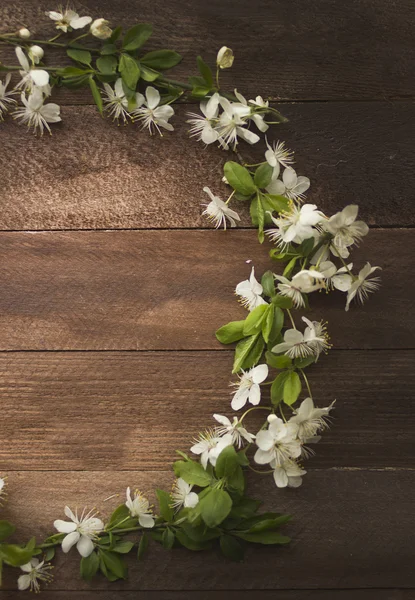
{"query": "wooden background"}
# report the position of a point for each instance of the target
(112, 286)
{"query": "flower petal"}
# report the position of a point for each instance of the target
(70, 540)
(85, 546)
(64, 526)
(153, 97)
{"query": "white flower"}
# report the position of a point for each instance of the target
(250, 292)
(139, 507)
(295, 225)
(312, 342)
(3, 493)
(345, 229)
(34, 571)
(291, 186)
(6, 100)
(336, 278)
(80, 531)
(117, 102)
(288, 474)
(225, 58)
(100, 29)
(68, 19)
(202, 127)
(209, 445)
(31, 76)
(153, 116)
(248, 387)
(218, 211)
(231, 125)
(303, 282)
(24, 33)
(278, 443)
(182, 495)
(362, 286)
(277, 155)
(36, 53)
(249, 111)
(235, 428)
(310, 420)
(36, 114)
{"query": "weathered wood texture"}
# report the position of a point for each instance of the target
(152, 290)
(296, 50)
(92, 175)
(333, 545)
(142, 406)
(358, 594)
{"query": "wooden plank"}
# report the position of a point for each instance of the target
(92, 175)
(152, 290)
(45, 426)
(374, 594)
(345, 533)
(308, 50)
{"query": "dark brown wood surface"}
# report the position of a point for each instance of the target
(108, 360)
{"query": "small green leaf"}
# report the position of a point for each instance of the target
(165, 509)
(278, 362)
(123, 547)
(275, 203)
(121, 518)
(264, 537)
(167, 539)
(215, 507)
(239, 178)
(306, 247)
(263, 175)
(269, 524)
(161, 59)
(231, 548)
(82, 56)
(205, 71)
(232, 332)
(89, 566)
(253, 321)
(95, 94)
(6, 530)
(260, 216)
(189, 543)
(302, 363)
(114, 564)
(277, 387)
(136, 36)
(115, 34)
(282, 301)
(148, 74)
(192, 472)
(71, 72)
(227, 462)
(107, 64)
(248, 352)
(142, 546)
(288, 269)
(268, 283)
(292, 388)
(130, 71)
(268, 322)
(108, 49)
(15, 555)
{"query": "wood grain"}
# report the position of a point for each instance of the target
(159, 290)
(293, 49)
(333, 546)
(358, 594)
(93, 175)
(72, 411)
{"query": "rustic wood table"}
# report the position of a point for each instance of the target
(112, 284)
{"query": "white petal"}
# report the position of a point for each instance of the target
(51, 112)
(239, 399)
(289, 177)
(55, 16)
(349, 213)
(263, 457)
(209, 135)
(39, 77)
(70, 514)
(80, 22)
(146, 521)
(70, 540)
(64, 526)
(293, 336)
(259, 373)
(153, 97)
(276, 187)
(23, 583)
(303, 183)
(191, 500)
(222, 420)
(22, 58)
(255, 394)
(264, 440)
(248, 136)
(85, 546)
(280, 477)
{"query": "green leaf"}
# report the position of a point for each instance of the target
(130, 71)
(268, 284)
(245, 508)
(278, 362)
(205, 71)
(269, 524)
(302, 363)
(148, 74)
(15, 555)
(136, 36)
(108, 49)
(161, 59)
(114, 564)
(49, 554)
(264, 537)
(215, 507)
(275, 203)
(288, 269)
(260, 216)
(107, 64)
(189, 543)
(263, 175)
(115, 34)
(165, 509)
(277, 324)
(227, 462)
(277, 387)
(282, 301)
(71, 72)
(192, 472)
(121, 519)
(239, 178)
(81, 56)
(253, 321)
(123, 547)
(167, 539)
(142, 546)
(231, 548)
(89, 566)
(306, 247)
(248, 352)
(268, 322)
(200, 533)
(292, 388)
(95, 94)
(231, 332)
(6, 529)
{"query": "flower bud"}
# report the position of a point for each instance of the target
(225, 57)
(36, 53)
(24, 33)
(100, 29)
